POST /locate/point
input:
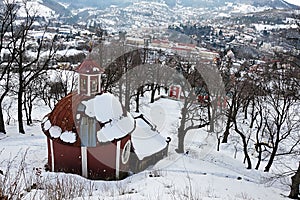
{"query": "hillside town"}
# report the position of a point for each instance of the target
(149, 100)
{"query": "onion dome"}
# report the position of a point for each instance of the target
(60, 124)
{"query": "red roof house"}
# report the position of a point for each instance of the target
(91, 134)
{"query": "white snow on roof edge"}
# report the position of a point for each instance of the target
(47, 125)
(55, 131)
(104, 107)
(68, 136)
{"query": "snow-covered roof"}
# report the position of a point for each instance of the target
(60, 124)
(89, 66)
(68, 52)
(56, 132)
(145, 140)
(107, 108)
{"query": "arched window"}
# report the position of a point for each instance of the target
(126, 152)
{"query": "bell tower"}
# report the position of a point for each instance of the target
(89, 77)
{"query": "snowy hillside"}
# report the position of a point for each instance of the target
(201, 173)
(171, 3)
(48, 9)
(123, 15)
(35, 7)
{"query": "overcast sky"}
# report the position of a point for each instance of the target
(296, 2)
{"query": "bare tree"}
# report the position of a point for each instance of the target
(238, 98)
(7, 17)
(7, 108)
(28, 68)
(260, 144)
(193, 114)
(280, 118)
(33, 93)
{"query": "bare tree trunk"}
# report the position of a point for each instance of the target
(2, 125)
(209, 111)
(20, 109)
(271, 160)
(218, 145)
(26, 112)
(7, 110)
(127, 92)
(245, 144)
(245, 109)
(253, 115)
(158, 89)
(30, 113)
(181, 130)
(212, 119)
(28, 109)
(260, 129)
(249, 165)
(142, 91)
(294, 193)
(226, 132)
(137, 100)
(181, 135)
(228, 123)
(153, 89)
(259, 150)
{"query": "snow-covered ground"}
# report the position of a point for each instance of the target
(203, 173)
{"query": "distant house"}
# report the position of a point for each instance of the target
(91, 134)
(175, 91)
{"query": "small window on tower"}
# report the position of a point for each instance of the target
(94, 85)
(83, 84)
